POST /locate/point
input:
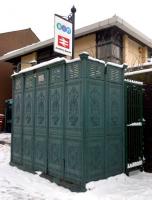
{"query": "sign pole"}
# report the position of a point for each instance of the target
(73, 10)
(64, 33)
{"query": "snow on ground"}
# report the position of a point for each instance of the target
(16, 184)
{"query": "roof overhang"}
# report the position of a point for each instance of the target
(140, 73)
(114, 21)
(26, 50)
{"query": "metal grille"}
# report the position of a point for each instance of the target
(73, 71)
(134, 126)
(114, 75)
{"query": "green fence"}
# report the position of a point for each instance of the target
(134, 125)
(68, 120)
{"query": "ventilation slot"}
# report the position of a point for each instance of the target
(73, 71)
(114, 75)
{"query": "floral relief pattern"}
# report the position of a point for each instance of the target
(29, 82)
(115, 114)
(18, 84)
(41, 109)
(17, 109)
(28, 110)
(73, 106)
(95, 107)
(55, 107)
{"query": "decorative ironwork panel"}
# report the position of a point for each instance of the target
(18, 84)
(28, 109)
(17, 149)
(41, 103)
(56, 99)
(73, 106)
(41, 78)
(41, 107)
(114, 103)
(72, 125)
(95, 156)
(115, 113)
(73, 71)
(17, 109)
(73, 160)
(27, 150)
(114, 74)
(96, 70)
(114, 156)
(55, 156)
(95, 108)
(29, 81)
(40, 140)
(96, 101)
(56, 74)
(40, 153)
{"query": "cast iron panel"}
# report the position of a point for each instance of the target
(73, 71)
(17, 147)
(28, 109)
(114, 74)
(95, 108)
(113, 155)
(73, 160)
(41, 109)
(41, 118)
(40, 159)
(18, 84)
(73, 106)
(28, 121)
(55, 148)
(114, 111)
(17, 109)
(56, 74)
(56, 106)
(16, 156)
(55, 157)
(95, 156)
(27, 151)
(96, 70)
(41, 78)
(71, 118)
(29, 82)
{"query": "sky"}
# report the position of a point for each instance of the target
(39, 14)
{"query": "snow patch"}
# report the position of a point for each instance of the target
(115, 64)
(135, 124)
(133, 81)
(40, 65)
(135, 164)
(96, 60)
(16, 184)
(73, 60)
(138, 72)
(85, 52)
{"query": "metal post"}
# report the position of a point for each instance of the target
(73, 10)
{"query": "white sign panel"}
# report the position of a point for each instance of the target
(62, 36)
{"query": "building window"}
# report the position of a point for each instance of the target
(46, 54)
(109, 45)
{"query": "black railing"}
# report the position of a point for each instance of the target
(134, 125)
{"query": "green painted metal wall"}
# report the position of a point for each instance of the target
(68, 120)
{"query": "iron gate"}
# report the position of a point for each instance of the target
(134, 125)
(148, 127)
